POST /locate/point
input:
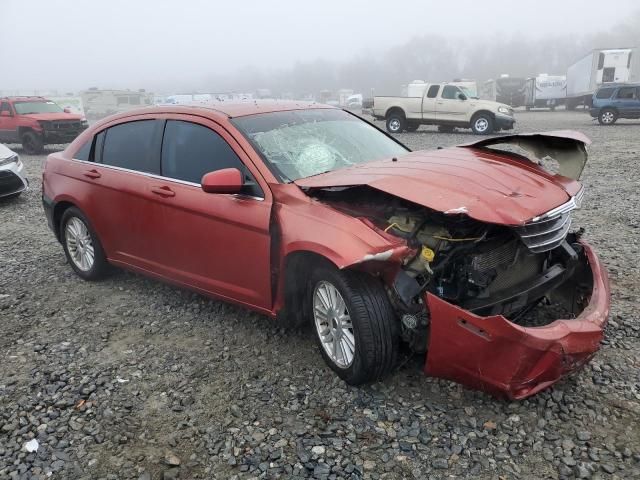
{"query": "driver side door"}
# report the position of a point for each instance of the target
(450, 107)
(216, 243)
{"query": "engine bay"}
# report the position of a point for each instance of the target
(484, 268)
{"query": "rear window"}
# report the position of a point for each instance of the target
(604, 93)
(433, 91)
(131, 145)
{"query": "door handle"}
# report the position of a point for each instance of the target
(163, 191)
(92, 173)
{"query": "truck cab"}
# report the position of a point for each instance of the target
(446, 105)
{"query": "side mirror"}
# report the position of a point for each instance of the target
(67, 110)
(5, 113)
(227, 180)
(462, 96)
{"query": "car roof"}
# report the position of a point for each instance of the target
(233, 109)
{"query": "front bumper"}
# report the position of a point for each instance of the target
(504, 122)
(12, 179)
(62, 136)
(505, 359)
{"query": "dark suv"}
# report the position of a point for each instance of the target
(616, 101)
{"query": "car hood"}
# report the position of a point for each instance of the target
(488, 185)
(6, 152)
(53, 116)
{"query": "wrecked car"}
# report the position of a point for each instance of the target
(311, 215)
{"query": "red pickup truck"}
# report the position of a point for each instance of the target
(35, 122)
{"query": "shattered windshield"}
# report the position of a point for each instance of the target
(24, 108)
(302, 143)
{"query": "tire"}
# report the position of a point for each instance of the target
(446, 129)
(32, 143)
(75, 241)
(607, 116)
(372, 330)
(482, 124)
(396, 123)
(412, 127)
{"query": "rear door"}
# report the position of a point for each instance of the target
(217, 243)
(114, 187)
(429, 102)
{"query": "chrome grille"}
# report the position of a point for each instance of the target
(546, 232)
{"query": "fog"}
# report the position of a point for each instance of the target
(293, 46)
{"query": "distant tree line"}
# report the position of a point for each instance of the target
(433, 58)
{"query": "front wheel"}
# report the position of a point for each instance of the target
(354, 324)
(607, 117)
(81, 245)
(396, 123)
(32, 143)
(482, 124)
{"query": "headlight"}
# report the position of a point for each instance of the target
(504, 110)
(12, 159)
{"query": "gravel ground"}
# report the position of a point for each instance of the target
(129, 378)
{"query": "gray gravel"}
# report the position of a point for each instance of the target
(129, 378)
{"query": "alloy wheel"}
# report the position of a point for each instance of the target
(79, 244)
(333, 324)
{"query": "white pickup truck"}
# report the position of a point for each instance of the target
(445, 105)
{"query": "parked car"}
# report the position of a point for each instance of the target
(12, 179)
(613, 102)
(310, 214)
(445, 105)
(36, 121)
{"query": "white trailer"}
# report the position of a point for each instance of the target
(545, 91)
(600, 67)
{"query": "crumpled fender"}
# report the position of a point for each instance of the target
(567, 147)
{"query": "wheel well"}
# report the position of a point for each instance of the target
(393, 110)
(23, 130)
(613, 109)
(298, 267)
(58, 211)
(480, 112)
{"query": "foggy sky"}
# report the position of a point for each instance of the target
(176, 45)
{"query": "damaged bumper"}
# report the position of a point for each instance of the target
(502, 358)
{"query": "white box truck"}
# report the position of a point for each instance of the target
(600, 67)
(545, 91)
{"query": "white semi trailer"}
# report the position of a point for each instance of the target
(545, 91)
(600, 67)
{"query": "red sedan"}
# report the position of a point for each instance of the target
(311, 215)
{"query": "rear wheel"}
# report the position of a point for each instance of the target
(482, 124)
(81, 245)
(354, 324)
(32, 143)
(396, 123)
(607, 117)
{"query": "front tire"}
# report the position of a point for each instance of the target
(32, 143)
(396, 123)
(607, 117)
(354, 324)
(81, 245)
(482, 124)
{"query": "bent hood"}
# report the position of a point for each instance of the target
(487, 185)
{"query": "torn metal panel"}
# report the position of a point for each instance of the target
(493, 354)
(567, 147)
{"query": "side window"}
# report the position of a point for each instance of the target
(433, 91)
(4, 107)
(85, 151)
(131, 145)
(450, 92)
(190, 150)
(626, 93)
(604, 93)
